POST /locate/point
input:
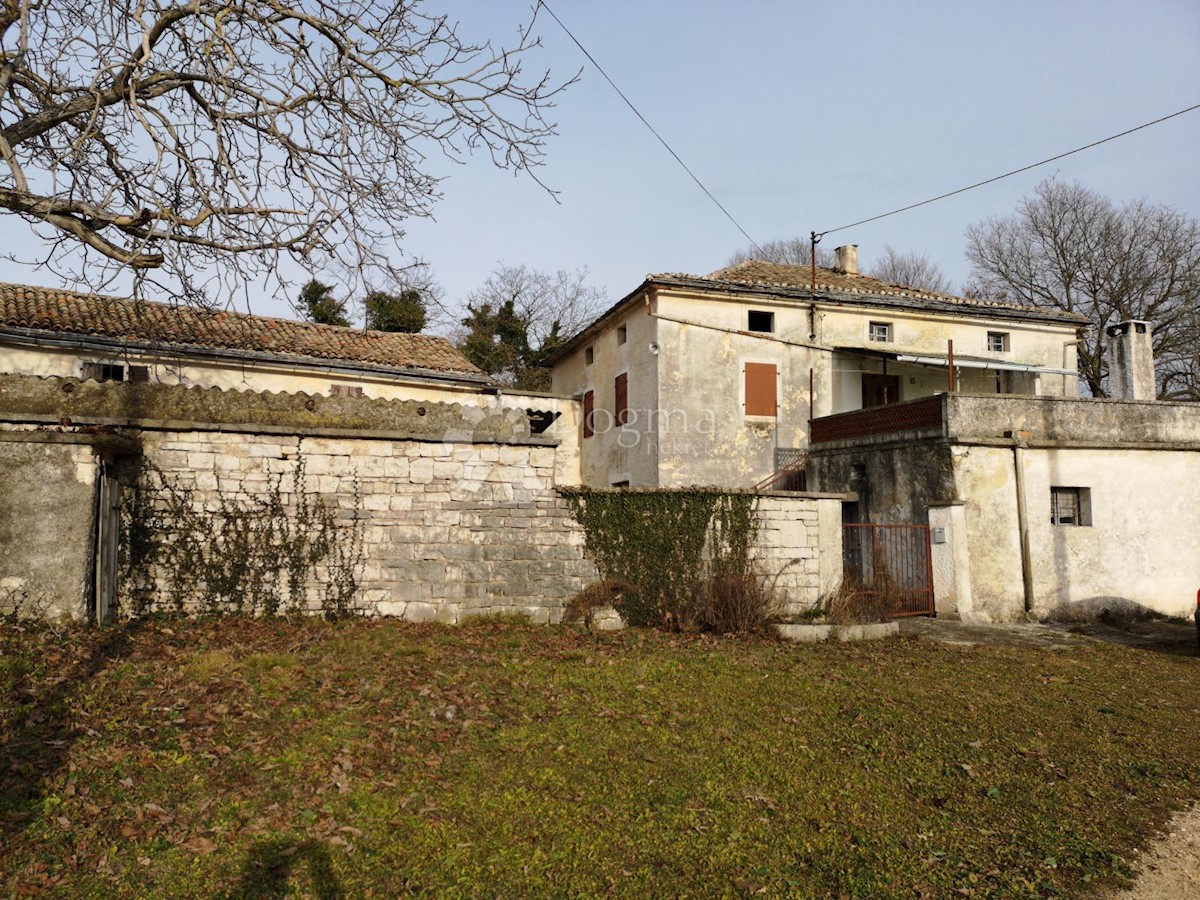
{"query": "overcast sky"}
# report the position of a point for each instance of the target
(803, 116)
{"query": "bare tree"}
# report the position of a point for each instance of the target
(520, 315)
(1068, 247)
(196, 137)
(795, 251)
(915, 270)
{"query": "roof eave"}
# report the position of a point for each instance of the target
(50, 337)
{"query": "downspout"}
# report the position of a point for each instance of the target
(1023, 523)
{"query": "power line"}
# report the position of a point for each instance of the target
(972, 187)
(661, 139)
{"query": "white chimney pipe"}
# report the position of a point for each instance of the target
(1130, 361)
(846, 259)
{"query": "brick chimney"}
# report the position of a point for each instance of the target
(846, 259)
(1130, 361)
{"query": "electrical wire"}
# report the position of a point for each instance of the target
(977, 184)
(661, 139)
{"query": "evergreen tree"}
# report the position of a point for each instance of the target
(404, 312)
(318, 305)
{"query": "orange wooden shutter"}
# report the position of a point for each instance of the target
(589, 410)
(760, 389)
(621, 384)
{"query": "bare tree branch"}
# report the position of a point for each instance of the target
(1068, 247)
(209, 136)
(915, 270)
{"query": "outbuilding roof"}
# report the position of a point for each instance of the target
(150, 325)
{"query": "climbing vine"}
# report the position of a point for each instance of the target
(672, 546)
(236, 552)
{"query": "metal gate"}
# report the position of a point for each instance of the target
(892, 560)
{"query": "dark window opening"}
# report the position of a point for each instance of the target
(1070, 506)
(620, 484)
(589, 413)
(622, 334)
(761, 321)
(589, 356)
(103, 371)
(541, 419)
(879, 390)
(621, 389)
(139, 374)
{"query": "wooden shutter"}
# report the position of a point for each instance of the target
(589, 412)
(760, 389)
(621, 411)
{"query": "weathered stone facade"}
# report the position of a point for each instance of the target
(447, 530)
(799, 548)
(239, 501)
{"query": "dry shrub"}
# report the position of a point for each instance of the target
(607, 592)
(736, 604)
(852, 604)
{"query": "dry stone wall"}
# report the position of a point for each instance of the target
(432, 530)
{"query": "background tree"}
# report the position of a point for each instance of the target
(1068, 247)
(404, 311)
(317, 304)
(795, 251)
(911, 269)
(519, 316)
(207, 139)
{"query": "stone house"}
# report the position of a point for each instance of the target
(714, 379)
(69, 334)
(1045, 506)
(166, 458)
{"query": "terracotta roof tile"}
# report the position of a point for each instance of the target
(780, 275)
(147, 323)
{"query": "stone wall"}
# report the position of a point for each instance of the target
(426, 530)
(799, 548)
(250, 502)
(47, 494)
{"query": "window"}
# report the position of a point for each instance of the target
(761, 382)
(589, 413)
(621, 388)
(1070, 506)
(880, 331)
(139, 374)
(758, 320)
(345, 390)
(103, 371)
(997, 341)
(622, 334)
(589, 356)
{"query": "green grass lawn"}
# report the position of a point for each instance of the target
(268, 758)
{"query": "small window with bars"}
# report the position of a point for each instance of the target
(879, 331)
(1070, 506)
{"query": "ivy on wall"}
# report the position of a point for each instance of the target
(669, 544)
(236, 553)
